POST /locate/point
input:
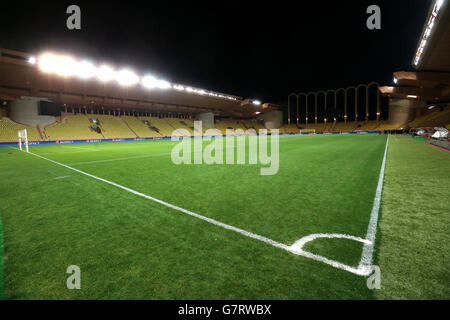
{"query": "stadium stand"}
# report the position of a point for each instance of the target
(344, 127)
(160, 125)
(432, 119)
(289, 128)
(253, 124)
(224, 125)
(181, 124)
(138, 126)
(113, 127)
(368, 126)
(72, 127)
(9, 128)
(384, 125)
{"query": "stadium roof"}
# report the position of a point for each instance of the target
(431, 80)
(23, 74)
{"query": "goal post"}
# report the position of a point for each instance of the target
(307, 131)
(23, 139)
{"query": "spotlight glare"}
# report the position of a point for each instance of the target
(106, 73)
(127, 77)
(32, 60)
(65, 66)
(85, 70)
(256, 102)
(151, 82)
(47, 62)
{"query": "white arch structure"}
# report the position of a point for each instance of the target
(335, 93)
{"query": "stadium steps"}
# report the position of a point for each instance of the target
(126, 124)
(41, 133)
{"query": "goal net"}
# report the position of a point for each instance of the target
(307, 131)
(23, 139)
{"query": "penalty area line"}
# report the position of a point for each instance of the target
(294, 250)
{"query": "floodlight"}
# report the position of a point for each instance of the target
(32, 60)
(151, 82)
(106, 73)
(47, 62)
(127, 77)
(85, 70)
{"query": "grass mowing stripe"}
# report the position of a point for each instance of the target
(2, 263)
(292, 249)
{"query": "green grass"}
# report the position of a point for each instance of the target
(414, 239)
(2, 264)
(129, 247)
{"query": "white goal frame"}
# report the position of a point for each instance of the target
(23, 139)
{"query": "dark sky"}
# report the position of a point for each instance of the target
(255, 49)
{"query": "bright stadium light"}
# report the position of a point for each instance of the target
(178, 87)
(256, 102)
(127, 77)
(395, 80)
(150, 82)
(61, 65)
(85, 70)
(65, 66)
(47, 62)
(106, 73)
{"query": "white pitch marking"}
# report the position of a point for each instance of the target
(62, 177)
(298, 245)
(367, 254)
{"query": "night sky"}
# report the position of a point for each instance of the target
(257, 49)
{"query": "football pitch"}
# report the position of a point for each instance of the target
(141, 227)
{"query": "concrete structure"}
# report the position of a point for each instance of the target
(25, 110)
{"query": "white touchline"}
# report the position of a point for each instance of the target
(296, 248)
(367, 255)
